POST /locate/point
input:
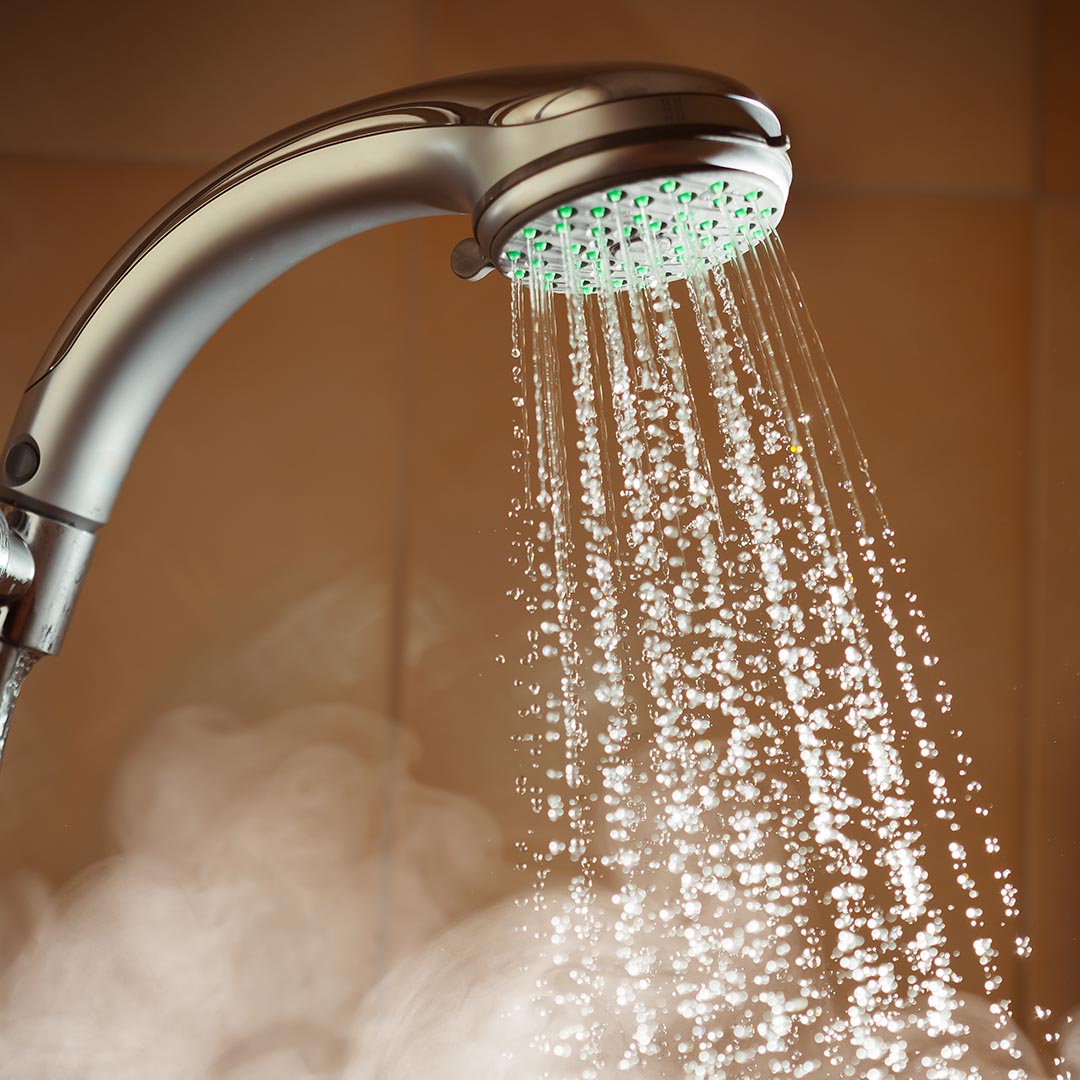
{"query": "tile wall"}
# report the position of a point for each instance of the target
(319, 512)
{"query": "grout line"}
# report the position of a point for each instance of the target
(423, 41)
(1029, 787)
(399, 592)
(913, 194)
(409, 348)
(398, 595)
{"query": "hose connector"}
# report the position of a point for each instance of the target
(43, 563)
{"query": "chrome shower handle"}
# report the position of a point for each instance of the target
(495, 146)
(481, 145)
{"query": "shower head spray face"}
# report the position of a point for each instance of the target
(653, 228)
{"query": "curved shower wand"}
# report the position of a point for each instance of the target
(504, 147)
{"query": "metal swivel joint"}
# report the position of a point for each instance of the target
(42, 566)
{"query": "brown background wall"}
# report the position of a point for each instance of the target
(319, 511)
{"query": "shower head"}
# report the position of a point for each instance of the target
(603, 158)
(635, 159)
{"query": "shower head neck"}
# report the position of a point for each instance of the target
(505, 148)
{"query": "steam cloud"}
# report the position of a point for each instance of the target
(250, 907)
(288, 903)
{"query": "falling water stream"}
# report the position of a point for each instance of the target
(759, 845)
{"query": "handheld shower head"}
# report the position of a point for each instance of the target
(522, 152)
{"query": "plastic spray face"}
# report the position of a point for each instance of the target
(656, 228)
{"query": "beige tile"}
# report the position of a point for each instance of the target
(894, 97)
(266, 488)
(149, 82)
(921, 95)
(61, 220)
(1059, 77)
(457, 699)
(60, 223)
(1053, 835)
